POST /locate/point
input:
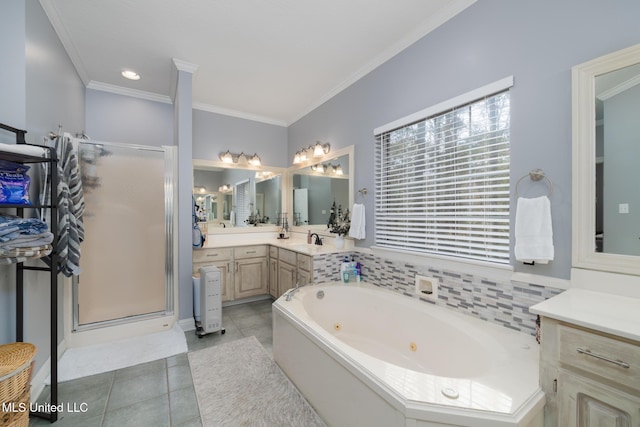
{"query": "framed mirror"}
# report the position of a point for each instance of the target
(230, 196)
(606, 151)
(317, 185)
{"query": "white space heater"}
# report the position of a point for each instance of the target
(209, 295)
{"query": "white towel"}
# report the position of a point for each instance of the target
(357, 222)
(533, 232)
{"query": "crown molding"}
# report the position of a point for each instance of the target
(239, 114)
(135, 93)
(185, 66)
(54, 17)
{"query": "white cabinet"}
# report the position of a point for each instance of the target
(592, 379)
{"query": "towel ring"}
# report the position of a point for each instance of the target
(536, 175)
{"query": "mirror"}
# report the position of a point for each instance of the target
(317, 185)
(232, 196)
(606, 202)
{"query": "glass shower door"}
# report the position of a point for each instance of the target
(126, 255)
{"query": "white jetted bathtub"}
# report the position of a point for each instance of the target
(366, 356)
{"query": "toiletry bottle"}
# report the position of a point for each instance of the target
(308, 237)
(358, 272)
(344, 270)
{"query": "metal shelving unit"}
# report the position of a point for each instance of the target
(52, 268)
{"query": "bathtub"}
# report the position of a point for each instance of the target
(365, 356)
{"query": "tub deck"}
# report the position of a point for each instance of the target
(487, 376)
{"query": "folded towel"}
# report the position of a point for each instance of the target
(357, 229)
(533, 231)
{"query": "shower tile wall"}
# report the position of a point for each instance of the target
(506, 303)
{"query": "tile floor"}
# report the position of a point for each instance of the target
(158, 393)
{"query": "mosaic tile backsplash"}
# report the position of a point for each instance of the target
(505, 303)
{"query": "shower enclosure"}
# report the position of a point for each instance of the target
(127, 255)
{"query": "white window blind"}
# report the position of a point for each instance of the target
(242, 201)
(442, 182)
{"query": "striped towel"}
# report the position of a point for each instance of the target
(70, 206)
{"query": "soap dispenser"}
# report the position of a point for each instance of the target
(308, 237)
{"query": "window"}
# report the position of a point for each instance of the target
(242, 203)
(442, 182)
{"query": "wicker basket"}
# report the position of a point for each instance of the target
(19, 415)
(15, 369)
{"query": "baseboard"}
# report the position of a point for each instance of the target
(187, 324)
(37, 381)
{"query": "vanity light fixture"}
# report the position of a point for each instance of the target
(240, 159)
(317, 150)
(321, 149)
(226, 157)
(224, 188)
(255, 160)
(337, 170)
(131, 75)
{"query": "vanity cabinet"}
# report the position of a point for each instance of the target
(305, 269)
(288, 268)
(273, 272)
(250, 271)
(243, 269)
(221, 258)
(591, 378)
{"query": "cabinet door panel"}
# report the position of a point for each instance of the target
(273, 278)
(586, 403)
(251, 277)
(286, 277)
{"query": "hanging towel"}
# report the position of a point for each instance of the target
(357, 229)
(533, 232)
(70, 206)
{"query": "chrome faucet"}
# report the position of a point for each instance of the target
(290, 292)
(318, 240)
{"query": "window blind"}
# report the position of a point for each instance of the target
(442, 182)
(242, 203)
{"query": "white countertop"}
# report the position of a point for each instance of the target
(294, 244)
(612, 314)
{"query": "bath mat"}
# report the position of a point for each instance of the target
(237, 384)
(82, 362)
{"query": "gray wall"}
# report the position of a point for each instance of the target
(119, 118)
(214, 133)
(45, 91)
(536, 42)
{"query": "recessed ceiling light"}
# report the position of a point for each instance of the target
(131, 75)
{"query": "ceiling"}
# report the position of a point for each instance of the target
(272, 61)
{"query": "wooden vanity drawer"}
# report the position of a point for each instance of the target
(273, 252)
(287, 256)
(613, 359)
(305, 262)
(251, 251)
(213, 254)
